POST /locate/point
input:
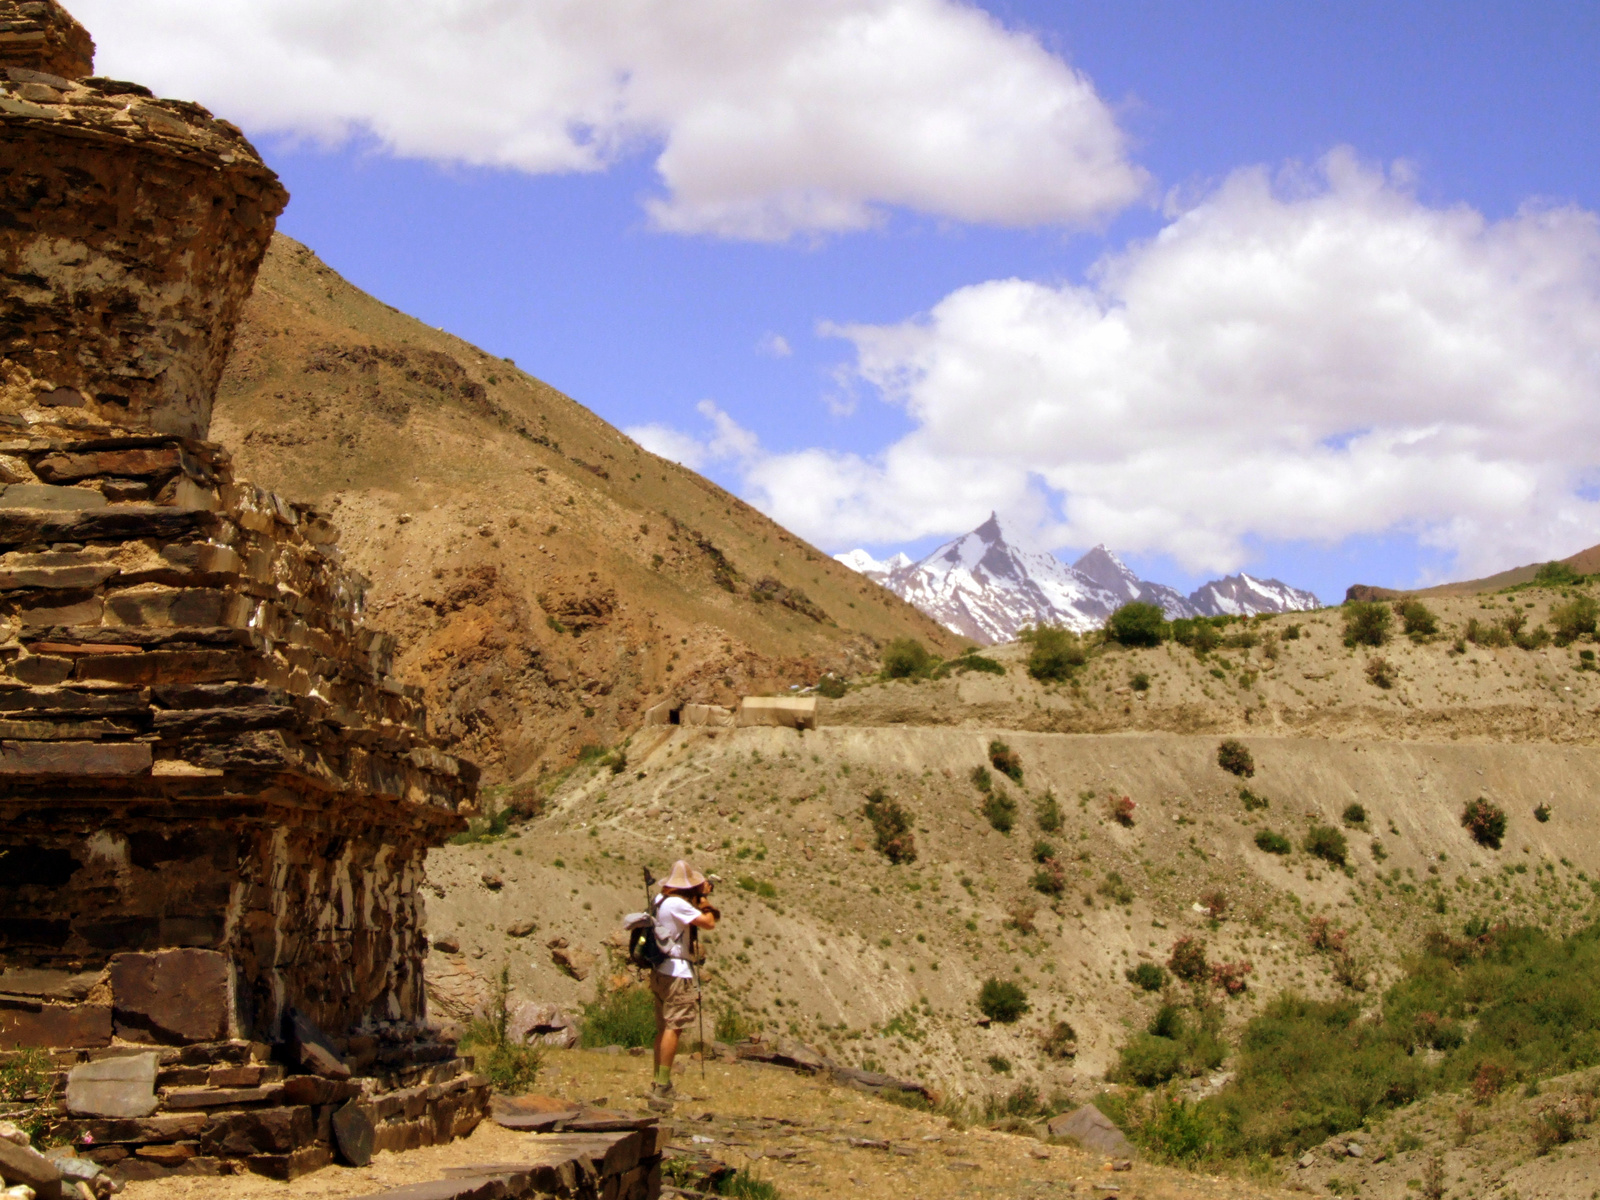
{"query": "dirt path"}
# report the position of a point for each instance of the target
(813, 1140)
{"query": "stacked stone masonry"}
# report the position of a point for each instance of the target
(215, 798)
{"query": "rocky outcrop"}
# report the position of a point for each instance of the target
(215, 796)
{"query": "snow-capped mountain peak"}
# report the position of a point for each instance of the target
(982, 586)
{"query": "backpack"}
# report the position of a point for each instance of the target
(644, 951)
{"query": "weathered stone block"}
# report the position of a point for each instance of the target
(92, 759)
(24, 1165)
(114, 1087)
(45, 497)
(50, 1025)
(182, 995)
(258, 1131)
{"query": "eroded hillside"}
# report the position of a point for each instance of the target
(547, 577)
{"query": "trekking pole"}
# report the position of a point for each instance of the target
(700, 1011)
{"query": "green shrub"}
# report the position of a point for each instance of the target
(732, 1026)
(907, 658)
(1541, 812)
(1137, 624)
(1139, 681)
(1381, 672)
(27, 1076)
(1043, 850)
(1574, 618)
(832, 686)
(1251, 801)
(1047, 813)
(1272, 843)
(1148, 1060)
(760, 887)
(1234, 757)
(1355, 815)
(1114, 889)
(1366, 623)
(1003, 1001)
(1490, 635)
(1061, 1041)
(1485, 821)
(511, 1067)
(1291, 633)
(1005, 760)
(999, 1064)
(1000, 810)
(1327, 843)
(1417, 618)
(625, 1017)
(1188, 959)
(891, 828)
(1055, 654)
(981, 779)
(742, 1185)
(1556, 574)
(1147, 975)
(970, 662)
(1050, 879)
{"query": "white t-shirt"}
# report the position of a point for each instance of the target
(674, 915)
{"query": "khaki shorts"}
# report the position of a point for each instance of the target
(676, 1002)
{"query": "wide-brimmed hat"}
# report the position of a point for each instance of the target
(683, 878)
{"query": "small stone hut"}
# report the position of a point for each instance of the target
(215, 798)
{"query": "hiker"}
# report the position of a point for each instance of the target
(685, 906)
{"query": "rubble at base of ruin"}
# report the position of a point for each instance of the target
(215, 798)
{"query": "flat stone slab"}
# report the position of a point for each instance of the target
(114, 1087)
(1093, 1130)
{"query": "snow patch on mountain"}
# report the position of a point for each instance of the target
(983, 587)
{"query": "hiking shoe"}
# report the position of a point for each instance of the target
(659, 1104)
(660, 1090)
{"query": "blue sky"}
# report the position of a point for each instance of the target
(1393, 381)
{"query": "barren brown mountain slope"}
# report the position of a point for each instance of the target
(547, 577)
(1584, 562)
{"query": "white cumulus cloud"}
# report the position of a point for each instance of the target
(767, 119)
(1307, 355)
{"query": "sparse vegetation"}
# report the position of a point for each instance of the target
(1047, 813)
(1574, 619)
(1355, 816)
(832, 686)
(1055, 653)
(1139, 681)
(1148, 976)
(1115, 889)
(1120, 809)
(891, 828)
(1541, 813)
(907, 658)
(511, 1067)
(1272, 843)
(1418, 620)
(1251, 801)
(1234, 757)
(1381, 672)
(1188, 959)
(625, 1016)
(1137, 624)
(1000, 810)
(1367, 623)
(1005, 760)
(1485, 821)
(1061, 1042)
(1002, 1000)
(1327, 843)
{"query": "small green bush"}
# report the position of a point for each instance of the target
(1272, 842)
(1367, 622)
(625, 1017)
(1291, 633)
(1149, 1061)
(1061, 1041)
(999, 1064)
(732, 1026)
(1139, 681)
(1043, 850)
(1005, 760)
(1556, 574)
(1234, 757)
(832, 686)
(1047, 813)
(1114, 889)
(1149, 976)
(891, 828)
(1485, 821)
(759, 886)
(1327, 843)
(1049, 879)
(1381, 672)
(1188, 959)
(1574, 618)
(981, 779)
(1355, 815)
(1056, 653)
(742, 1185)
(1417, 618)
(1000, 810)
(1003, 1001)
(1137, 624)
(1251, 801)
(1541, 812)
(907, 658)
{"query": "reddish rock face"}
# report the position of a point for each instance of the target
(40, 35)
(135, 229)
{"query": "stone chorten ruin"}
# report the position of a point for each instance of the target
(215, 799)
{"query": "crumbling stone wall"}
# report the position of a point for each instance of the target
(215, 798)
(134, 229)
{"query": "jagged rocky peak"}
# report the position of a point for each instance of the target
(987, 588)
